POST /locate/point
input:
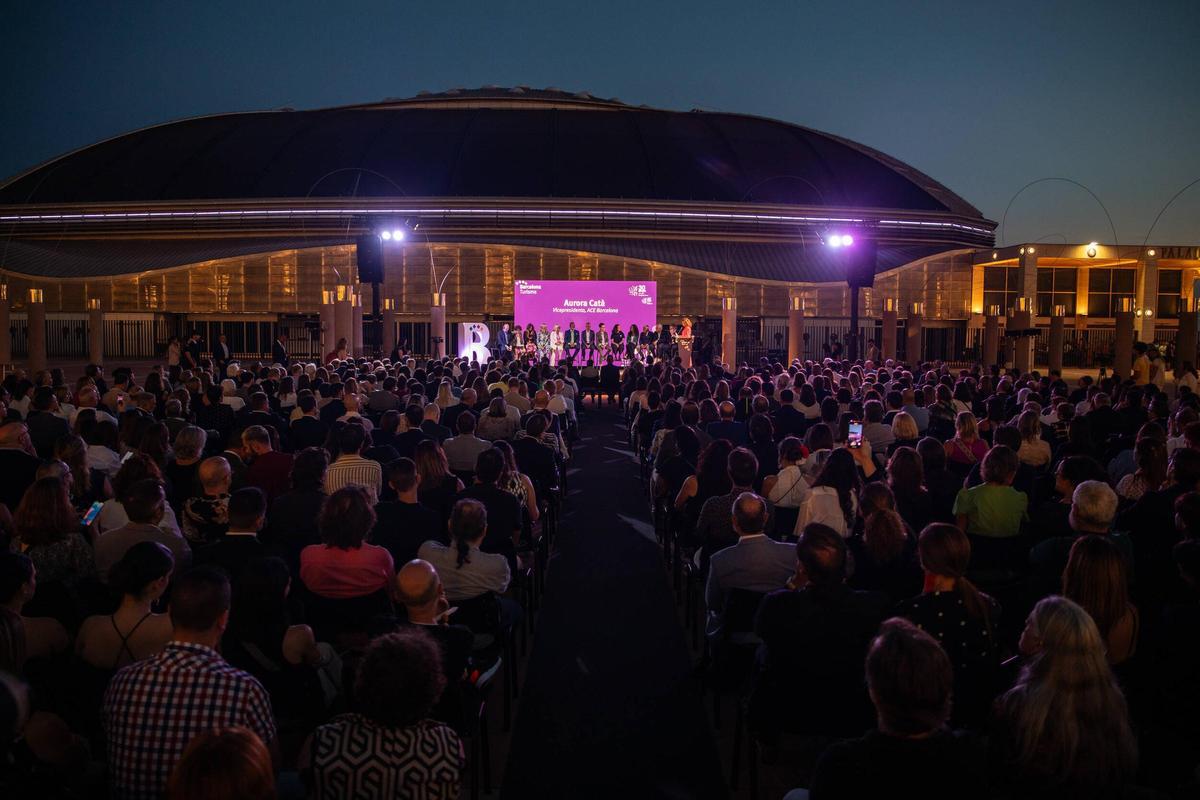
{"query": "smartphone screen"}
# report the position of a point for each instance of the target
(92, 513)
(854, 434)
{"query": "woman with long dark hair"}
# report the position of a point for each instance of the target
(134, 631)
(833, 500)
(1096, 578)
(711, 479)
(962, 618)
(439, 486)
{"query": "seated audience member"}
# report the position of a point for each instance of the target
(912, 752)
(815, 633)
(1024, 479)
(350, 468)
(465, 570)
(262, 640)
(268, 469)
(47, 529)
(833, 500)
(24, 637)
(388, 747)
(941, 483)
(503, 508)
(963, 619)
(497, 423)
(144, 507)
(307, 430)
(1035, 451)
(1096, 579)
(154, 708)
(462, 450)
(137, 468)
(1151, 524)
(536, 460)
(906, 477)
(403, 525)
(1093, 508)
(133, 632)
(1050, 518)
(230, 763)
(44, 424)
(293, 517)
(420, 591)
(18, 461)
(247, 512)
(885, 557)
(787, 490)
(754, 564)
(345, 564)
(438, 487)
(1063, 729)
(206, 516)
(714, 528)
(182, 471)
(406, 443)
(993, 509)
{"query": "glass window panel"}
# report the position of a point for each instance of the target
(1045, 279)
(1065, 279)
(1045, 302)
(1123, 280)
(1067, 300)
(1099, 280)
(994, 278)
(1168, 306)
(1099, 305)
(1170, 281)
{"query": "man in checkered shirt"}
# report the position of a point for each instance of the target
(154, 708)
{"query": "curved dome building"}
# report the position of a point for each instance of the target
(257, 213)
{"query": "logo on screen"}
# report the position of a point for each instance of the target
(639, 290)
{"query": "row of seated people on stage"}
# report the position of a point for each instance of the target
(996, 593)
(583, 345)
(295, 582)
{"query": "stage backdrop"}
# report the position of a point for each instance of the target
(624, 303)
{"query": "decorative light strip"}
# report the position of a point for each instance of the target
(514, 212)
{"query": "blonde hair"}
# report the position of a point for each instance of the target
(1069, 720)
(904, 426)
(965, 426)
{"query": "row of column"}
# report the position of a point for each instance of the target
(35, 308)
(341, 317)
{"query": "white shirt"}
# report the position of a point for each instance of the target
(481, 573)
(100, 415)
(112, 516)
(101, 458)
(791, 490)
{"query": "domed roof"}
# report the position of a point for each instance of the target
(484, 143)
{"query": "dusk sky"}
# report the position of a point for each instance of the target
(983, 97)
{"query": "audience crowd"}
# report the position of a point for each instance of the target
(295, 579)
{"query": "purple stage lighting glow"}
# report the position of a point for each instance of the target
(847, 240)
(398, 235)
(839, 240)
(385, 235)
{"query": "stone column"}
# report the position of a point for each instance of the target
(37, 330)
(328, 331)
(1148, 296)
(357, 322)
(1185, 337)
(887, 347)
(729, 331)
(1123, 348)
(437, 324)
(991, 337)
(1027, 260)
(914, 336)
(795, 329)
(1054, 347)
(5, 329)
(344, 316)
(387, 313)
(95, 331)
(1022, 319)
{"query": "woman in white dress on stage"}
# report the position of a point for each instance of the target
(556, 345)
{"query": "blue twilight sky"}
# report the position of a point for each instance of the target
(984, 97)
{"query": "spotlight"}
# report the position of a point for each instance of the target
(847, 240)
(398, 234)
(1091, 249)
(385, 235)
(834, 241)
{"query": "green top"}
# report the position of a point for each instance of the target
(995, 511)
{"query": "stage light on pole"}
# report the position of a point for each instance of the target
(385, 235)
(847, 240)
(398, 234)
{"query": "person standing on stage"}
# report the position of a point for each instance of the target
(589, 341)
(618, 342)
(503, 342)
(221, 355)
(571, 342)
(556, 345)
(543, 342)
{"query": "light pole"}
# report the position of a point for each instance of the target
(859, 253)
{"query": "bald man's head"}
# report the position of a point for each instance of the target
(417, 584)
(433, 412)
(11, 434)
(541, 398)
(749, 514)
(215, 475)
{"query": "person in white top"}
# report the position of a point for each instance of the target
(834, 497)
(229, 395)
(556, 344)
(466, 571)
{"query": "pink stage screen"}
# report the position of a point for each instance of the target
(624, 303)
